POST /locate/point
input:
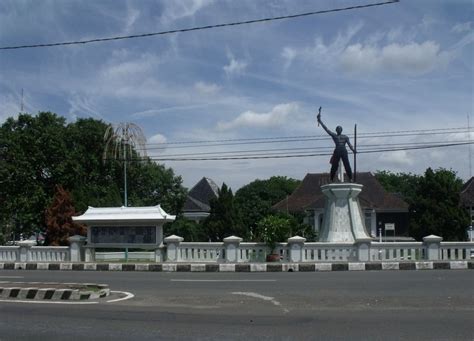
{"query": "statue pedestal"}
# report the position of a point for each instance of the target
(343, 220)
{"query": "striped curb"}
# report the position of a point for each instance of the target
(243, 267)
(52, 291)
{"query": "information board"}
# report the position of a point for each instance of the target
(123, 234)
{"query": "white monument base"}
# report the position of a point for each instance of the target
(343, 220)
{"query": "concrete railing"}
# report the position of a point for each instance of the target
(401, 251)
(233, 250)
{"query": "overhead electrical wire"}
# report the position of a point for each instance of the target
(327, 148)
(295, 155)
(312, 136)
(234, 142)
(197, 28)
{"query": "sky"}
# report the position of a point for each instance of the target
(398, 67)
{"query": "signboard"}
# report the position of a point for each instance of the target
(123, 234)
(390, 227)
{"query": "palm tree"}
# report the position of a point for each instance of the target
(120, 142)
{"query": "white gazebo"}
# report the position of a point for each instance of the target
(124, 227)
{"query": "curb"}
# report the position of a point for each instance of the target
(243, 267)
(52, 291)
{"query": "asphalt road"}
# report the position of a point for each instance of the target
(369, 305)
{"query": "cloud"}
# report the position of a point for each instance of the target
(411, 58)
(157, 138)
(321, 54)
(178, 9)
(462, 27)
(278, 116)
(9, 106)
(206, 88)
(235, 67)
(396, 159)
(124, 66)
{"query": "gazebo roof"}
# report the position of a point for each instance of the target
(114, 214)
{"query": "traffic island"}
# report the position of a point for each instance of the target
(53, 291)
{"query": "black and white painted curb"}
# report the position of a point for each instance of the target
(52, 291)
(242, 267)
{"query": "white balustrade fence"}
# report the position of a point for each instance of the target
(457, 250)
(9, 253)
(48, 254)
(122, 256)
(233, 250)
(401, 251)
(329, 252)
(201, 252)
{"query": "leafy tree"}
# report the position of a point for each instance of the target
(32, 154)
(223, 220)
(151, 183)
(256, 199)
(188, 229)
(404, 183)
(273, 229)
(59, 219)
(436, 207)
(39, 152)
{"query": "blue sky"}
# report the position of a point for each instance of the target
(401, 66)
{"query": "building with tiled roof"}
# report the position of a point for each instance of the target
(197, 205)
(379, 206)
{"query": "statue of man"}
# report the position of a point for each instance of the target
(340, 152)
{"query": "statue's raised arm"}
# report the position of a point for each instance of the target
(323, 125)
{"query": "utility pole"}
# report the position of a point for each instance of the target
(469, 146)
(21, 102)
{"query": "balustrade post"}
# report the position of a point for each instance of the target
(25, 247)
(231, 245)
(90, 254)
(172, 243)
(76, 251)
(363, 249)
(296, 246)
(433, 247)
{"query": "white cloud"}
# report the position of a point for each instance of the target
(178, 9)
(462, 27)
(9, 106)
(235, 67)
(396, 159)
(321, 54)
(157, 138)
(124, 66)
(278, 116)
(206, 88)
(412, 58)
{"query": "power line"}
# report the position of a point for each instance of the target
(297, 155)
(289, 140)
(311, 136)
(198, 28)
(360, 148)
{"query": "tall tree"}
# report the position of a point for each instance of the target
(405, 184)
(59, 219)
(33, 158)
(223, 220)
(255, 200)
(436, 207)
(39, 152)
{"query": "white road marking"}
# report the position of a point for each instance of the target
(262, 297)
(223, 280)
(12, 277)
(128, 295)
